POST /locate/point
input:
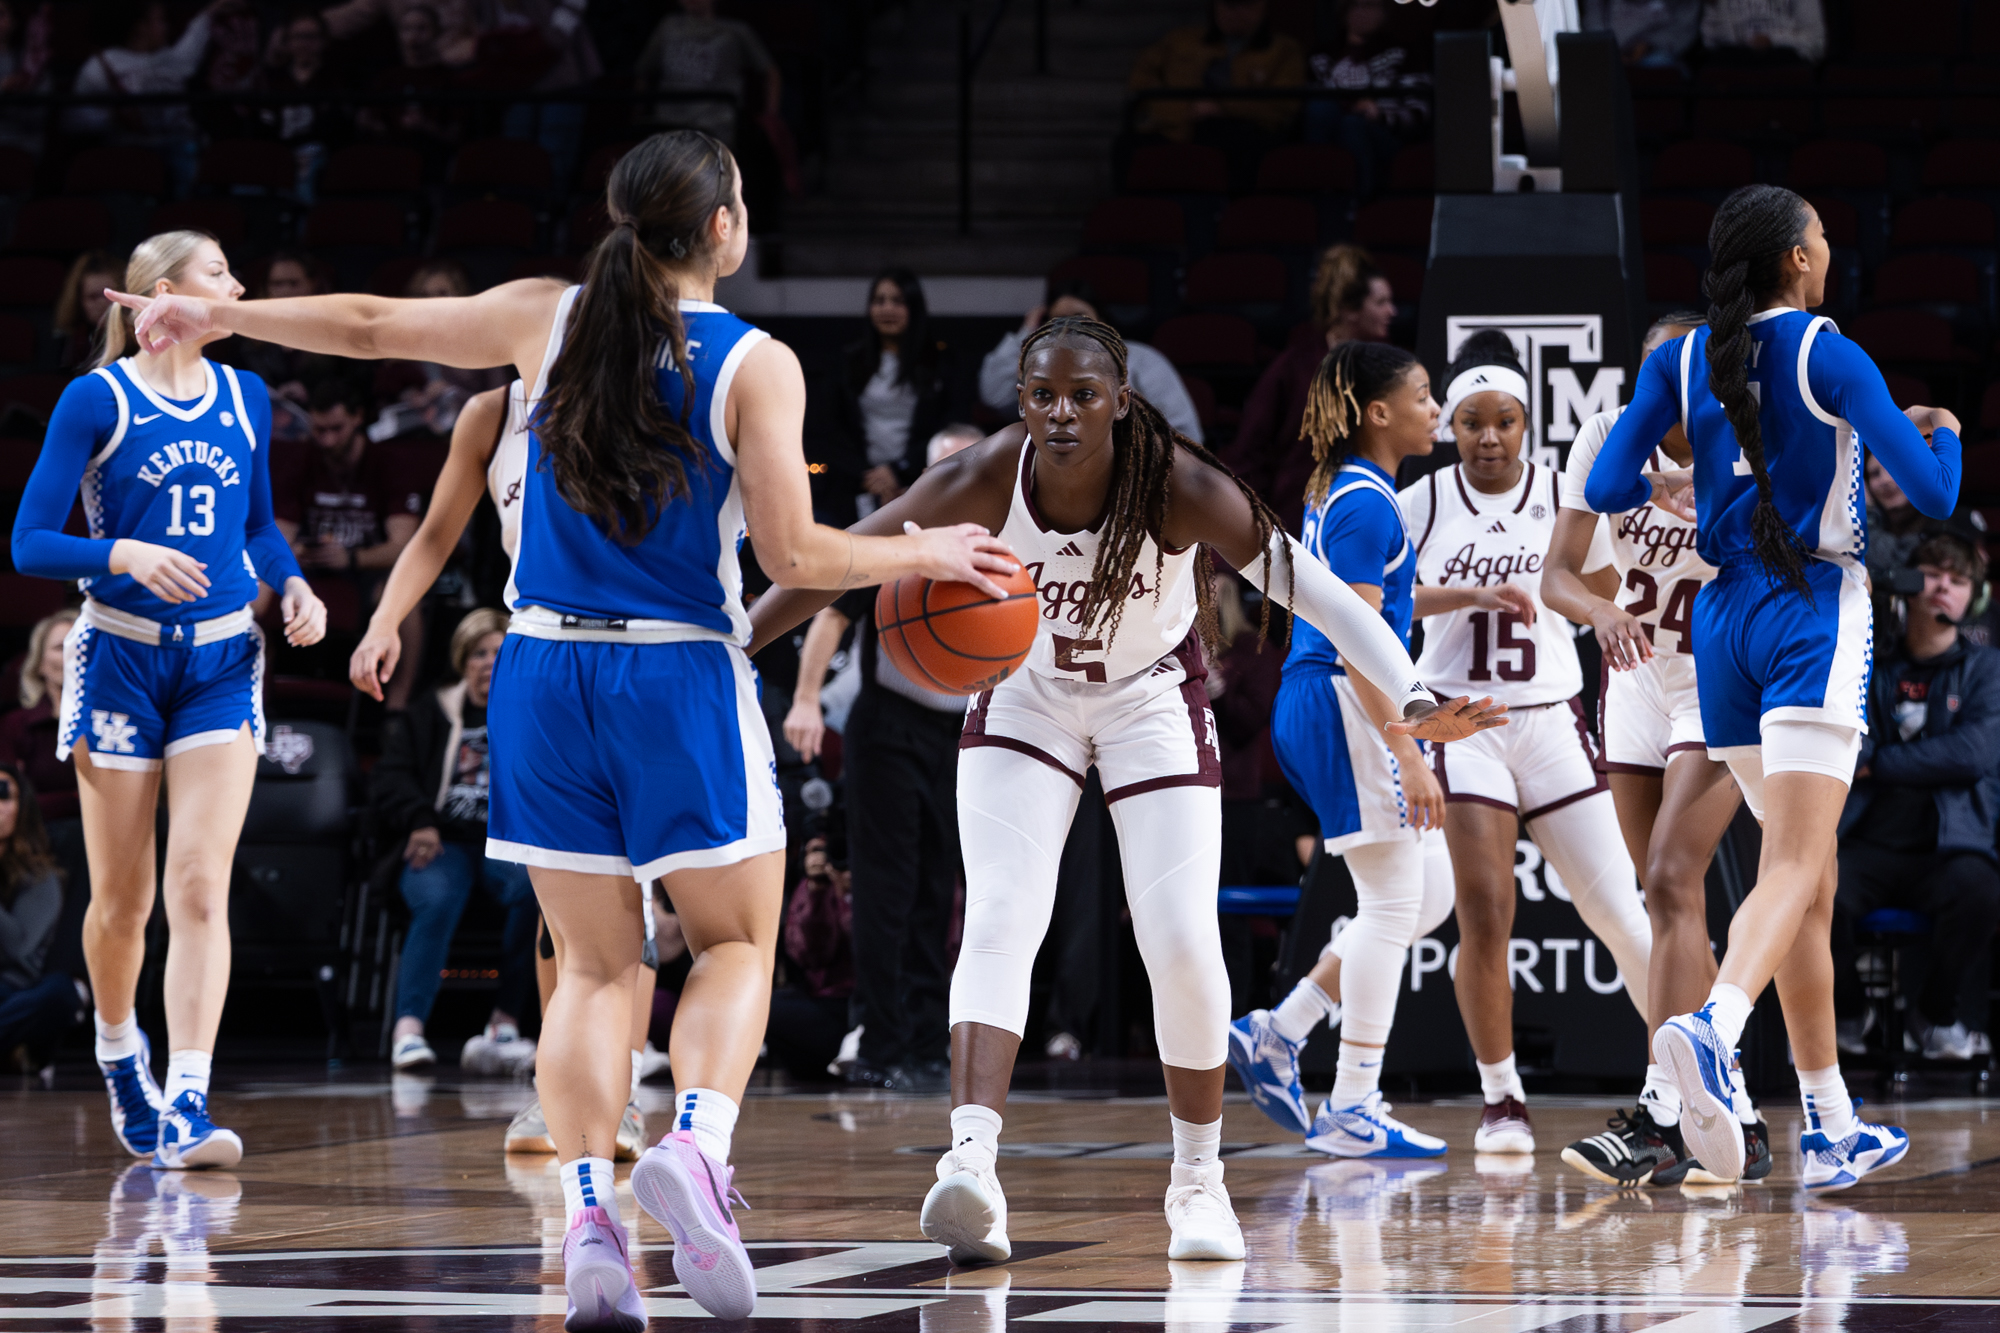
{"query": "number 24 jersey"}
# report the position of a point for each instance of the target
(1468, 539)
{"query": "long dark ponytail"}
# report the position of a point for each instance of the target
(1351, 376)
(1142, 469)
(614, 451)
(1755, 228)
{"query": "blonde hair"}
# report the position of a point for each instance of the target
(478, 623)
(32, 688)
(157, 258)
(1340, 282)
(69, 304)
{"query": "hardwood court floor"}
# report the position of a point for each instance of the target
(367, 1205)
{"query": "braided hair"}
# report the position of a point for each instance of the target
(1352, 375)
(1142, 469)
(1755, 228)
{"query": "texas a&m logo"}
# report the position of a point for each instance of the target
(1567, 379)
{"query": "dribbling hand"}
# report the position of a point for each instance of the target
(1674, 493)
(304, 613)
(170, 575)
(963, 553)
(166, 320)
(1509, 597)
(374, 660)
(1622, 638)
(1451, 720)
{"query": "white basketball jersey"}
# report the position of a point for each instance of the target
(1469, 539)
(1156, 619)
(1652, 550)
(507, 470)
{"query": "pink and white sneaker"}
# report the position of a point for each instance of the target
(688, 1193)
(597, 1274)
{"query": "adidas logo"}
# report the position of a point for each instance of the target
(1070, 548)
(1497, 527)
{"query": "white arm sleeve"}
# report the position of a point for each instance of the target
(1360, 635)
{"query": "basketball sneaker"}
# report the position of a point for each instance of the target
(1504, 1127)
(631, 1133)
(1702, 1064)
(1268, 1066)
(1833, 1166)
(966, 1212)
(1199, 1216)
(597, 1276)
(688, 1193)
(1757, 1159)
(412, 1052)
(136, 1100)
(1366, 1129)
(529, 1132)
(498, 1050)
(188, 1138)
(1635, 1149)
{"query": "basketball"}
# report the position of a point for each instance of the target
(952, 637)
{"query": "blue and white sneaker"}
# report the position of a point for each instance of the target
(136, 1100)
(1268, 1065)
(188, 1138)
(1701, 1064)
(1835, 1166)
(1366, 1129)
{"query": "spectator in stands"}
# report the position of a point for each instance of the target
(24, 68)
(286, 371)
(900, 764)
(38, 1001)
(420, 69)
(297, 64)
(429, 794)
(1764, 31)
(1236, 48)
(1351, 301)
(233, 64)
(1390, 102)
(80, 306)
(809, 1018)
(1656, 34)
(543, 46)
(1918, 829)
(135, 57)
(1153, 377)
(350, 510)
(28, 746)
(893, 394)
(694, 51)
(427, 397)
(1895, 528)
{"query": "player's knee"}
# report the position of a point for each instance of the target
(1676, 888)
(1486, 911)
(125, 914)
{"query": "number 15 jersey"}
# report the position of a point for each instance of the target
(1468, 539)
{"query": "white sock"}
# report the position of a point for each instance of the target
(587, 1183)
(1829, 1110)
(1499, 1081)
(1197, 1145)
(710, 1116)
(1661, 1097)
(638, 1067)
(1358, 1074)
(187, 1071)
(115, 1041)
(1300, 1012)
(1728, 1010)
(975, 1130)
(1739, 1097)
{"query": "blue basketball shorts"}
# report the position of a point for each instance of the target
(134, 704)
(1335, 757)
(634, 759)
(1765, 654)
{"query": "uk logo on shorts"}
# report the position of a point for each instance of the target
(114, 732)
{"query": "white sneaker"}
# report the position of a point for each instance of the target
(412, 1052)
(1830, 1166)
(850, 1051)
(501, 1051)
(966, 1212)
(529, 1132)
(1198, 1213)
(631, 1133)
(652, 1061)
(1952, 1043)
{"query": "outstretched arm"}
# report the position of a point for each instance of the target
(1615, 484)
(1843, 378)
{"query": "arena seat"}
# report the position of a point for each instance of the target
(115, 169)
(1718, 112)
(252, 165)
(30, 283)
(1402, 223)
(371, 223)
(220, 218)
(1876, 115)
(1254, 286)
(1306, 168)
(1672, 279)
(1177, 169)
(17, 171)
(25, 599)
(1909, 28)
(1708, 168)
(373, 168)
(1226, 341)
(61, 227)
(1675, 221)
(1962, 164)
(512, 168)
(595, 173)
(1135, 224)
(1117, 279)
(482, 223)
(587, 224)
(1268, 222)
(1414, 170)
(1943, 222)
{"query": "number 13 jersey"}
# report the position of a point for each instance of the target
(1468, 539)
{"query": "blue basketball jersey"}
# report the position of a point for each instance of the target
(1820, 398)
(179, 474)
(685, 570)
(1358, 533)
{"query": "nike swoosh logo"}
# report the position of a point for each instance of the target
(140, 421)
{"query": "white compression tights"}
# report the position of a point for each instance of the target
(1403, 891)
(1581, 842)
(1014, 814)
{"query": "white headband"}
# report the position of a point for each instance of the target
(1479, 379)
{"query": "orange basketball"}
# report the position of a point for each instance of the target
(952, 637)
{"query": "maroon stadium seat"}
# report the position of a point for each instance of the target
(392, 276)
(30, 281)
(1943, 222)
(1404, 223)
(17, 340)
(1267, 220)
(590, 181)
(220, 218)
(1906, 390)
(1670, 221)
(1236, 280)
(1963, 164)
(373, 168)
(1207, 340)
(1989, 408)
(1172, 168)
(501, 164)
(1306, 169)
(1703, 164)
(1136, 223)
(1907, 335)
(1908, 279)
(1909, 28)
(112, 169)
(1117, 279)
(1672, 278)
(588, 224)
(25, 599)
(1405, 274)
(17, 171)
(487, 222)
(356, 222)
(1788, 117)
(1414, 170)
(1838, 218)
(1841, 164)
(1874, 113)
(249, 164)
(61, 226)
(36, 393)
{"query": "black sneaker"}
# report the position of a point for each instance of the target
(1756, 1158)
(1636, 1150)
